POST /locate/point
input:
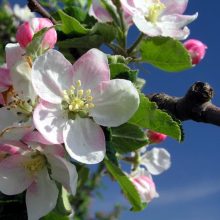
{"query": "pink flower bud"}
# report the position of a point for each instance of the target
(27, 30)
(196, 49)
(156, 137)
(145, 187)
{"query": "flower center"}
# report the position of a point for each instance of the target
(77, 101)
(155, 10)
(14, 102)
(36, 163)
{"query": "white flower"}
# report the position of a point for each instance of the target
(76, 99)
(160, 17)
(29, 171)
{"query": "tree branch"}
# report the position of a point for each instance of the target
(195, 105)
(35, 6)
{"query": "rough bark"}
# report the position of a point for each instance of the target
(196, 105)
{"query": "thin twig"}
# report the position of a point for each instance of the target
(35, 6)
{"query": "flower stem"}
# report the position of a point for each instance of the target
(136, 43)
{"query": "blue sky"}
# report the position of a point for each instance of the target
(190, 189)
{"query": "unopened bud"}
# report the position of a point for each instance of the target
(145, 187)
(27, 30)
(196, 50)
(155, 137)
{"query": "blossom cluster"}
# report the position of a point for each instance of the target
(52, 110)
(55, 114)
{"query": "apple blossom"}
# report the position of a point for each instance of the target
(196, 50)
(36, 169)
(19, 96)
(160, 17)
(155, 137)
(76, 99)
(144, 184)
(27, 30)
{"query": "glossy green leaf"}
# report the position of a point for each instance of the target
(126, 185)
(149, 116)
(127, 138)
(165, 53)
(70, 25)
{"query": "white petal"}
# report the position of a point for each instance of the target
(41, 196)
(84, 141)
(13, 54)
(91, 68)
(156, 161)
(21, 79)
(174, 6)
(13, 176)
(16, 131)
(51, 75)
(145, 26)
(64, 172)
(49, 121)
(8, 118)
(115, 102)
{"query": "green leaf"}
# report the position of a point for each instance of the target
(107, 31)
(54, 216)
(127, 138)
(126, 185)
(34, 48)
(122, 71)
(88, 42)
(149, 116)
(165, 53)
(70, 25)
(76, 12)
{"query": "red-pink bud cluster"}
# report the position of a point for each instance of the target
(196, 49)
(27, 30)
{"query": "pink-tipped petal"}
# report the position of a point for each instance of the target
(5, 79)
(36, 137)
(115, 102)
(84, 141)
(41, 196)
(91, 68)
(51, 76)
(174, 6)
(49, 121)
(13, 176)
(98, 12)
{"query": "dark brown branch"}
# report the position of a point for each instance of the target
(195, 105)
(35, 6)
